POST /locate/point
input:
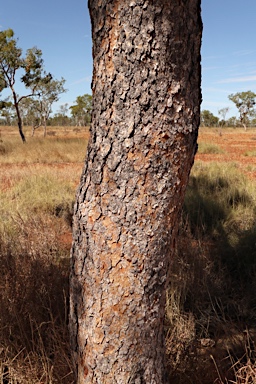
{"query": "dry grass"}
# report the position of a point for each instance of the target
(34, 345)
(250, 153)
(211, 301)
(60, 148)
(208, 148)
(37, 189)
(211, 307)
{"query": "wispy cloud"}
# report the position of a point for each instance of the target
(213, 57)
(243, 52)
(215, 103)
(215, 89)
(86, 79)
(210, 68)
(241, 79)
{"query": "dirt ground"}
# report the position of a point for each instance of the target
(235, 142)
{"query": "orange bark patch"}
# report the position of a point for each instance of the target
(116, 252)
(108, 223)
(98, 335)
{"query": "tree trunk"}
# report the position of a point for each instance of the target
(45, 126)
(145, 118)
(16, 105)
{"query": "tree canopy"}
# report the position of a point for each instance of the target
(245, 102)
(208, 119)
(47, 94)
(81, 111)
(38, 82)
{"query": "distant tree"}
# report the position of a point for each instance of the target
(7, 111)
(11, 62)
(245, 102)
(29, 115)
(253, 119)
(208, 119)
(59, 120)
(223, 112)
(63, 110)
(81, 111)
(47, 94)
(61, 117)
(232, 122)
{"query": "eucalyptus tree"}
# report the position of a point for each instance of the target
(7, 111)
(61, 116)
(29, 115)
(47, 94)
(208, 119)
(245, 103)
(145, 118)
(81, 111)
(12, 62)
(223, 113)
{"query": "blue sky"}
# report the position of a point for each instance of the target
(61, 29)
(228, 51)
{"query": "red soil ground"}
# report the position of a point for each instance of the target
(235, 143)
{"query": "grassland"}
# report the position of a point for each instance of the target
(37, 190)
(211, 306)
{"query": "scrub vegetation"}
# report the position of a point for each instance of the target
(211, 306)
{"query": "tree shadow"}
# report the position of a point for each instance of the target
(213, 282)
(34, 293)
(211, 210)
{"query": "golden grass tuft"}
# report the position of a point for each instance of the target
(43, 151)
(250, 153)
(209, 148)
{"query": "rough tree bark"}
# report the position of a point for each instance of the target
(146, 107)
